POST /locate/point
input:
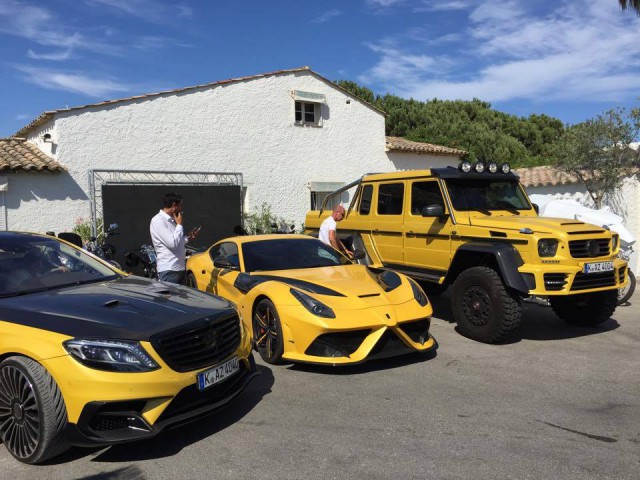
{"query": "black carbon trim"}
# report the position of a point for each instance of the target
(301, 284)
(514, 241)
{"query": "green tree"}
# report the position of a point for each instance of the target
(633, 4)
(598, 151)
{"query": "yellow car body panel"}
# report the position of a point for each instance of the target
(361, 304)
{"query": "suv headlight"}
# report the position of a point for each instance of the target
(547, 247)
(418, 293)
(111, 355)
(314, 306)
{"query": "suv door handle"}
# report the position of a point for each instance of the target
(376, 232)
(410, 234)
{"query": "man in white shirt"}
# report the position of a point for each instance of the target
(327, 233)
(169, 240)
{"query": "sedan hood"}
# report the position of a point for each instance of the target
(131, 308)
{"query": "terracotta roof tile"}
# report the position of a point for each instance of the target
(398, 144)
(544, 176)
(17, 154)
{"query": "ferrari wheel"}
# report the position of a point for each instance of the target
(33, 416)
(267, 332)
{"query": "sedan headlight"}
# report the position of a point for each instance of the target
(111, 355)
(547, 247)
(418, 293)
(314, 306)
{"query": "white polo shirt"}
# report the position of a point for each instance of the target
(326, 226)
(169, 241)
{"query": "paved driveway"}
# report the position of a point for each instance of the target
(562, 402)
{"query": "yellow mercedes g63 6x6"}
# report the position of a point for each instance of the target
(474, 228)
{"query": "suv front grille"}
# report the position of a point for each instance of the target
(585, 281)
(589, 248)
(199, 344)
(621, 273)
(554, 281)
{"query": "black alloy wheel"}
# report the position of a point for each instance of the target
(33, 415)
(482, 306)
(267, 332)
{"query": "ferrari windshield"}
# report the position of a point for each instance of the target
(33, 263)
(486, 194)
(289, 254)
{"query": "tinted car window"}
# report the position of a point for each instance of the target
(424, 194)
(288, 254)
(390, 197)
(487, 194)
(31, 263)
(365, 202)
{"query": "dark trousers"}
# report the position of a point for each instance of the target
(172, 276)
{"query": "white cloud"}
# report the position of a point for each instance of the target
(384, 3)
(586, 50)
(60, 55)
(75, 82)
(443, 6)
(23, 116)
(151, 10)
(326, 16)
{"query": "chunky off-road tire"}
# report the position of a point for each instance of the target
(267, 332)
(624, 294)
(191, 281)
(33, 416)
(482, 306)
(587, 309)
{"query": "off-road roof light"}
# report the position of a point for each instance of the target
(479, 167)
(465, 166)
(505, 168)
(492, 167)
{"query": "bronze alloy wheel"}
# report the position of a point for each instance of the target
(267, 332)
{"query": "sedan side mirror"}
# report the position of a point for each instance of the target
(434, 210)
(223, 262)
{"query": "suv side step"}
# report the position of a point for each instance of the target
(433, 276)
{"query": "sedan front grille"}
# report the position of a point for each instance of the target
(589, 248)
(199, 344)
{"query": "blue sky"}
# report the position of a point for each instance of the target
(569, 59)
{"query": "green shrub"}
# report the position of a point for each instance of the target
(83, 228)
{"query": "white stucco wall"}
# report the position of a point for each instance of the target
(625, 202)
(245, 127)
(414, 161)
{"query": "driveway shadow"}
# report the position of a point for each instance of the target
(370, 366)
(539, 322)
(172, 441)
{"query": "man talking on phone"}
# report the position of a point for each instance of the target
(169, 240)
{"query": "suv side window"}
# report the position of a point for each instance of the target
(365, 202)
(424, 194)
(390, 198)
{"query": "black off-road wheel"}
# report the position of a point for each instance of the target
(587, 309)
(191, 281)
(624, 294)
(267, 332)
(33, 416)
(482, 306)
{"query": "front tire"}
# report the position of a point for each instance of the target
(33, 415)
(587, 309)
(267, 332)
(624, 294)
(482, 307)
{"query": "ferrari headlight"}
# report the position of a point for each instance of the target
(418, 293)
(314, 306)
(547, 247)
(111, 355)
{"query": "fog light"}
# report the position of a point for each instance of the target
(479, 167)
(492, 167)
(465, 167)
(505, 168)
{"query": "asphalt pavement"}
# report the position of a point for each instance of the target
(559, 402)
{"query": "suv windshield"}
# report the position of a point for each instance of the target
(289, 254)
(486, 194)
(31, 263)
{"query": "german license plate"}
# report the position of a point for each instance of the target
(598, 267)
(218, 373)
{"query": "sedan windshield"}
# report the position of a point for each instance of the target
(486, 194)
(32, 263)
(289, 254)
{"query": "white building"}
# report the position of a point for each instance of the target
(292, 134)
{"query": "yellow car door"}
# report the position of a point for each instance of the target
(387, 222)
(222, 277)
(427, 233)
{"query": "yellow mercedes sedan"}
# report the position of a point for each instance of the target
(91, 356)
(303, 301)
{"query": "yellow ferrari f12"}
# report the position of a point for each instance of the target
(304, 302)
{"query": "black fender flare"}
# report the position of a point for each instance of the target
(506, 256)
